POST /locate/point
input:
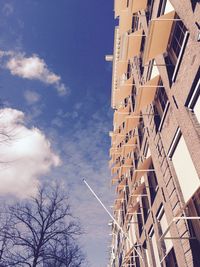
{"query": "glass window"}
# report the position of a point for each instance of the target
(150, 4)
(178, 34)
(145, 205)
(164, 7)
(184, 167)
(171, 259)
(196, 109)
(161, 101)
(133, 229)
(133, 96)
(194, 225)
(135, 23)
(166, 244)
(162, 98)
(141, 131)
(196, 202)
(179, 37)
(168, 7)
(129, 71)
(194, 98)
(194, 3)
(161, 8)
(155, 71)
(155, 250)
(147, 257)
(139, 220)
(153, 184)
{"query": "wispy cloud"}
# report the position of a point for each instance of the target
(84, 152)
(8, 9)
(33, 68)
(25, 156)
(31, 97)
(57, 122)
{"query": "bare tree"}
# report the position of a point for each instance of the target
(8, 134)
(39, 229)
(63, 252)
(5, 245)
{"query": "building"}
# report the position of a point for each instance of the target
(155, 142)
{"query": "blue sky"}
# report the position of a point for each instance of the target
(55, 87)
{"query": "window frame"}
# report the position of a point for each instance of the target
(178, 135)
(153, 256)
(194, 95)
(170, 58)
(170, 51)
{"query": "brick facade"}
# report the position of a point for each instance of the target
(150, 189)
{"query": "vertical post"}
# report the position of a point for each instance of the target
(111, 216)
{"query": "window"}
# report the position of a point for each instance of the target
(153, 184)
(136, 158)
(166, 244)
(196, 108)
(184, 167)
(128, 3)
(161, 98)
(161, 106)
(135, 23)
(120, 259)
(129, 71)
(193, 101)
(127, 191)
(155, 255)
(142, 46)
(132, 259)
(194, 225)
(139, 220)
(141, 131)
(146, 253)
(145, 205)
(156, 118)
(194, 3)
(141, 66)
(146, 149)
(176, 48)
(133, 228)
(124, 211)
(150, 5)
(164, 7)
(161, 8)
(154, 70)
(133, 96)
(170, 260)
(137, 261)
(178, 34)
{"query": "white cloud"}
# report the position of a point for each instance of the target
(27, 155)
(31, 97)
(6, 53)
(33, 68)
(62, 89)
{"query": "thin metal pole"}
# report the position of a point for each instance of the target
(157, 19)
(111, 216)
